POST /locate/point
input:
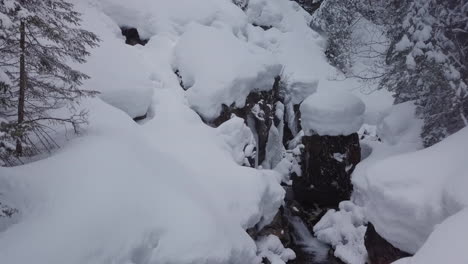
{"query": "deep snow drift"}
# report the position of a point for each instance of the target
(406, 196)
(172, 189)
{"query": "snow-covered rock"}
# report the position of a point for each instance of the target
(271, 248)
(168, 190)
(344, 230)
(218, 68)
(239, 140)
(446, 244)
(119, 72)
(332, 112)
(407, 195)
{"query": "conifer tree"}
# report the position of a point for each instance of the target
(427, 63)
(38, 41)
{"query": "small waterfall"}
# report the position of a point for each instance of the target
(311, 247)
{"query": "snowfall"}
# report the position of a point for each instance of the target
(171, 189)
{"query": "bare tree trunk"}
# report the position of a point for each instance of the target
(22, 84)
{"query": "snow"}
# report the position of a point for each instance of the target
(271, 248)
(172, 189)
(167, 190)
(118, 71)
(446, 243)
(332, 112)
(403, 44)
(239, 139)
(4, 78)
(344, 230)
(399, 132)
(157, 203)
(407, 195)
(399, 126)
(240, 68)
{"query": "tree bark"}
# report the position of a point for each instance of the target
(22, 85)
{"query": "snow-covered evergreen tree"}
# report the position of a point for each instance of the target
(335, 19)
(427, 63)
(38, 39)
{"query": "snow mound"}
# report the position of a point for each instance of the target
(447, 244)
(406, 196)
(398, 132)
(169, 190)
(239, 140)
(344, 230)
(170, 17)
(118, 71)
(397, 128)
(217, 68)
(332, 112)
(132, 201)
(271, 248)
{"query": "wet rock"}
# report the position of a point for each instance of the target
(327, 164)
(279, 227)
(379, 250)
(132, 36)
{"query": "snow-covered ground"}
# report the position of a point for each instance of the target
(408, 195)
(172, 189)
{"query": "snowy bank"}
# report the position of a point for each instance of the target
(406, 196)
(115, 195)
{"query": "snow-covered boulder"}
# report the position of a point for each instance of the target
(332, 112)
(446, 244)
(406, 196)
(271, 248)
(218, 68)
(239, 140)
(331, 151)
(344, 230)
(118, 71)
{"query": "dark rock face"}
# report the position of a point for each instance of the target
(132, 36)
(379, 250)
(327, 164)
(259, 114)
